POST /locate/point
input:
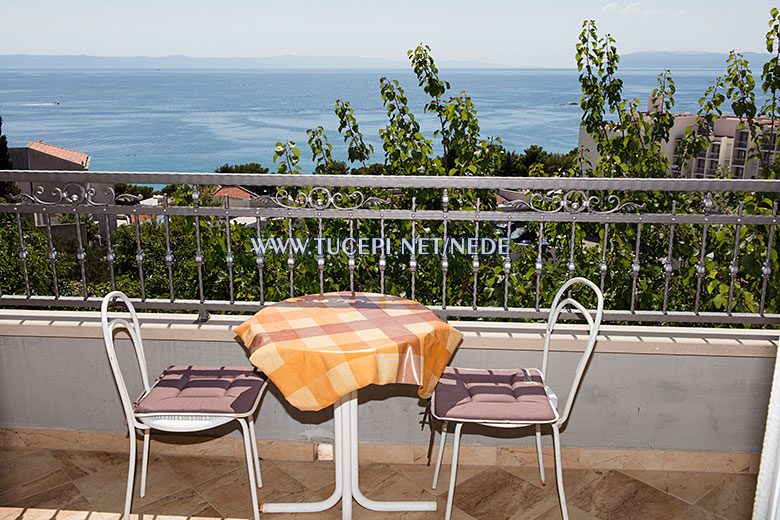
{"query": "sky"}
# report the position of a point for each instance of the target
(517, 33)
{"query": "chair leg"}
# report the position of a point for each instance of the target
(559, 471)
(440, 455)
(453, 471)
(130, 477)
(144, 462)
(539, 452)
(245, 430)
(255, 454)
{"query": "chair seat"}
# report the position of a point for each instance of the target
(480, 395)
(203, 389)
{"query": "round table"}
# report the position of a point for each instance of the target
(320, 349)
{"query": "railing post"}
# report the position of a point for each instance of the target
(475, 256)
(445, 264)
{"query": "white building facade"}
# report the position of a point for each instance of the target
(730, 151)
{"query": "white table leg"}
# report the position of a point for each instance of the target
(375, 505)
(339, 413)
(347, 454)
(347, 486)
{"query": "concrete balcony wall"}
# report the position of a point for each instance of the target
(645, 388)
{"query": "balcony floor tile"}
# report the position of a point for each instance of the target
(40, 484)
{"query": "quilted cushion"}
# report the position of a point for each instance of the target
(492, 395)
(194, 389)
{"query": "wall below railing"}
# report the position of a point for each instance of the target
(647, 388)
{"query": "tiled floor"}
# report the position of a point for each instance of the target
(81, 485)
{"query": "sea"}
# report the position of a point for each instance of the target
(183, 120)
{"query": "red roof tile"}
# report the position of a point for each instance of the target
(234, 192)
(63, 153)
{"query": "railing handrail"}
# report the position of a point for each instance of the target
(573, 201)
(391, 181)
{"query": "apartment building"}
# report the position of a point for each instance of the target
(730, 148)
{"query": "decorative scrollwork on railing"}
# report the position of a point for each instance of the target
(75, 195)
(575, 201)
(320, 198)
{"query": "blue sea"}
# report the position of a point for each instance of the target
(197, 120)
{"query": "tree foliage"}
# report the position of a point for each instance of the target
(737, 88)
(133, 189)
(242, 168)
(320, 149)
(628, 142)
(5, 158)
(534, 158)
(357, 149)
(7, 189)
(286, 157)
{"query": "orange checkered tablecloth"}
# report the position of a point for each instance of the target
(318, 348)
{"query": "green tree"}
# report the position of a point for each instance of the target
(5, 158)
(144, 192)
(286, 157)
(7, 189)
(770, 85)
(337, 168)
(737, 87)
(242, 168)
(357, 149)
(246, 168)
(628, 141)
(536, 158)
(407, 151)
(320, 149)
(696, 138)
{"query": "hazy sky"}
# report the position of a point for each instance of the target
(515, 33)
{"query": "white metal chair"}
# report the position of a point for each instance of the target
(513, 398)
(183, 399)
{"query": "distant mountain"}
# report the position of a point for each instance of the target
(686, 60)
(19, 61)
(637, 60)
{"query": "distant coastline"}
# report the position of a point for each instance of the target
(20, 61)
(637, 60)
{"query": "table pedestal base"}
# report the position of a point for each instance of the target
(346, 461)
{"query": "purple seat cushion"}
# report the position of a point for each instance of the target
(492, 395)
(192, 389)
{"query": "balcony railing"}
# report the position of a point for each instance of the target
(664, 250)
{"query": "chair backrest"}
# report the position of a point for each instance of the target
(133, 329)
(558, 305)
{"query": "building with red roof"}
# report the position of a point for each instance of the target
(38, 155)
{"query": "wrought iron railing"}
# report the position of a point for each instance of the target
(712, 239)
